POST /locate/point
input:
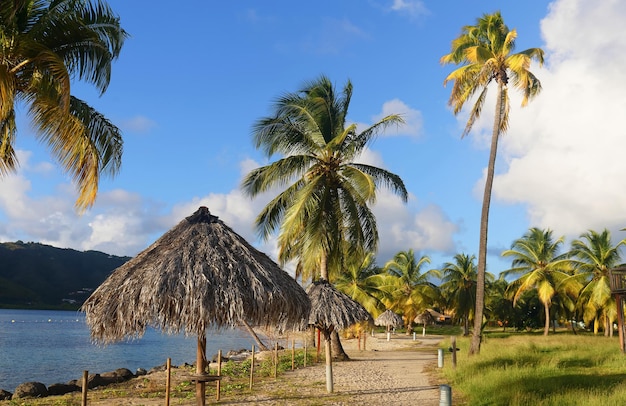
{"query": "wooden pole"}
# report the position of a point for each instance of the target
(293, 354)
(305, 352)
(364, 339)
(219, 373)
(329, 365)
(276, 360)
(200, 370)
(620, 320)
(85, 386)
(252, 368)
(317, 355)
(453, 341)
(168, 381)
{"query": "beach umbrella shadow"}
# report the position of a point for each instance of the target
(332, 310)
(198, 275)
(388, 319)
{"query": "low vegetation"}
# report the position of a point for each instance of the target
(529, 369)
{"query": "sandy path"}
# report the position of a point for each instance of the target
(386, 372)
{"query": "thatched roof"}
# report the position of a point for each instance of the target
(426, 317)
(333, 309)
(199, 275)
(388, 319)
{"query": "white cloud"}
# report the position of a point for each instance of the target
(563, 155)
(413, 122)
(413, 8)
(138, 124)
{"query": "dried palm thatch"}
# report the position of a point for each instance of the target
(331, 309)
(426, 317)
(199, 275)
(388, 319)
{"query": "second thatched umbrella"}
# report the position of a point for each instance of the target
(332, 310)
(388, 319)
(199, 275)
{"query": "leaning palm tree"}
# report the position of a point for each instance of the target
(411, 291)
(485, 52)
(594, 254)
(459, 286)
(45, 45)
(536, 258)
(326, 196)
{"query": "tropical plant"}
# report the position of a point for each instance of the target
(536, 258)
(364, 282)
(593, 256)
(325, 202)
(324, 205)
(485, 52)
(412, 291)
(45, 45)
(459, 287)
(498, 307)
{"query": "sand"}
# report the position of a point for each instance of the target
(385, 372)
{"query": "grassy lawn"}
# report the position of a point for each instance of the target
(530, 369)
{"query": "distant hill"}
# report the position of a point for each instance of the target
(38, 276)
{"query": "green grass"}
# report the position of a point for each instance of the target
(528, 369)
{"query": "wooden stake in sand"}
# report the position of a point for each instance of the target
(219, 373)
(293, 354)
(252, 368)
(85, 385)
(168, 380)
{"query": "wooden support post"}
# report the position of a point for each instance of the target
(168, 381)
(305, 352)
(200, 370)
(293, 354)
(85, 387)
(218, 386)
(276, 360)
(252, 369)
(453, 341)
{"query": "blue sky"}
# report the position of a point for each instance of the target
(192, 79)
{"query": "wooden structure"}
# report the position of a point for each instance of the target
(617, 280)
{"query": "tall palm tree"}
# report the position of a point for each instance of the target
(411, 291)
(326, 196)
(45, 44)
(459, 286)
(324, 206)
(594, 254)
(485, 52)
(536, 257)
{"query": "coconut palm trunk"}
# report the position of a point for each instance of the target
(484, 225)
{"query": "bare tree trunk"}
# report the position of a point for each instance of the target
(338, 352)
(546, 310)
(484, 226)
(256, 338)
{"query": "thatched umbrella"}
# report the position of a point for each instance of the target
(330, 310)
(426, 317)
(198, 275)
(388, 319)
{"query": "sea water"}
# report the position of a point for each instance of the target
(55, 347)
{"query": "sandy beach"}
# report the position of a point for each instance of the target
(385, 372)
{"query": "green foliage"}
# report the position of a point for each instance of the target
(40, 276)
(522, 369)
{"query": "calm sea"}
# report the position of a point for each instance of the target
(55, 347)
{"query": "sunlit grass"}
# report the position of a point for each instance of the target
(524, 369)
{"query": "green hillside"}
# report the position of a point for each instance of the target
(40, 276)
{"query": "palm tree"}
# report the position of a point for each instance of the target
(498, 307)
(411, 290)
(324, 205)
(485, 52)
(45, 44)
(325, 202)
(594, 255)
(536, 257)
(364, 282)
(459, 286)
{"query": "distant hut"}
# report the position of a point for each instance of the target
(332, 310)
(388, 319)
(199, 275)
